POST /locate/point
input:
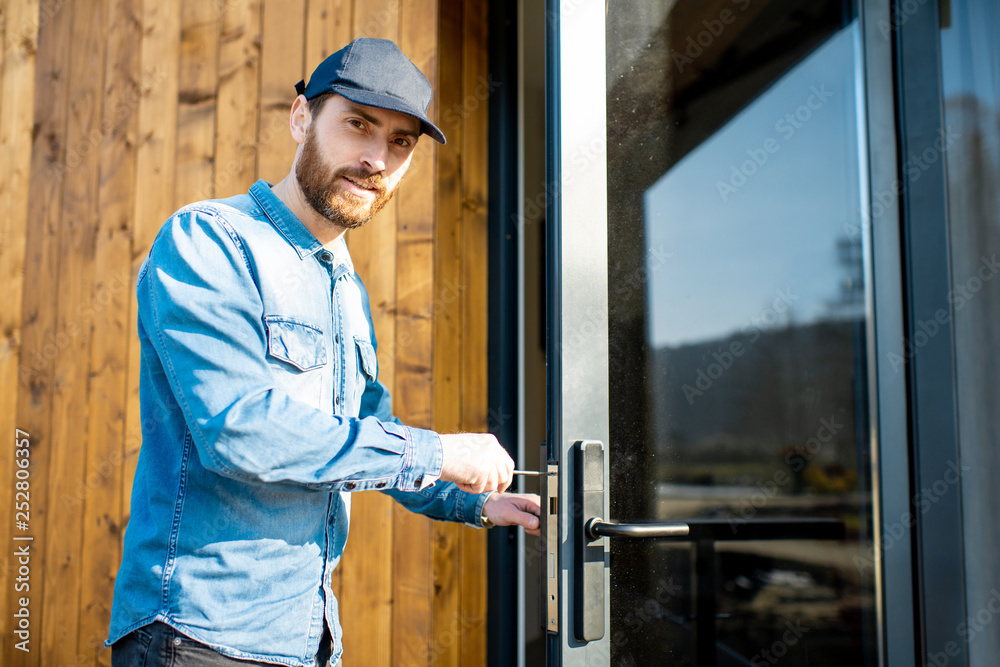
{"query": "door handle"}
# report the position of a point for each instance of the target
(591, 557)
(596, 528)
(720, 530)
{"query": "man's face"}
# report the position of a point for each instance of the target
(353, 158)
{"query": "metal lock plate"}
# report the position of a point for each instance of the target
(588, 578)
(550, 531)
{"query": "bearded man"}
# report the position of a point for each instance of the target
(261, 406)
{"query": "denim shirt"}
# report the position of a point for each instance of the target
(261, 412)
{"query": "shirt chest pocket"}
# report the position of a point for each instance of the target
(367, 362)
(295, 342)
(367, 370)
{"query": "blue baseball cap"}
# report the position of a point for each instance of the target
(374, 72)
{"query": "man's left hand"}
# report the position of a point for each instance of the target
(514, 509)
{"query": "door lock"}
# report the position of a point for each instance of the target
(549, 529)
(591, 552)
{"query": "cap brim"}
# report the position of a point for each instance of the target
(390, 103)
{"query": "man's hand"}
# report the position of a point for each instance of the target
(514, 509)
(475, 462)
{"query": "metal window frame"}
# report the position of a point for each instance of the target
(893, 561)
(504, 548)
(938, 562)
(577, 281)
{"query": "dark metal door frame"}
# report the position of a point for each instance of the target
(936, 501)
(919, 557)
(502, 544)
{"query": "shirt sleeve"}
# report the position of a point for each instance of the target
(435, 499)
(201, 309)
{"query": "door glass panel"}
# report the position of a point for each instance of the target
(737, 333)
(970, 74)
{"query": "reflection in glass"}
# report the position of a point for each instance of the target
(737, 333)
(970, 59)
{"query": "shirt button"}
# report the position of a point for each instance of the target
(380, 485)
(337, 400)
(350, 486)
(326, 256)
(418, 482)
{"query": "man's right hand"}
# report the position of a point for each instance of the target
(476, 462)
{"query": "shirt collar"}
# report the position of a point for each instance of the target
(341, 255)
(297, 234)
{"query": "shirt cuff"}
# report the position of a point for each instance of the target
(478, 502)
(422, 461)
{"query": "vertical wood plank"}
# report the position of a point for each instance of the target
(197, 89)
(328, 28)
(474, 306)
(329, 24)
(446, 640)
(17, 74)
(99, 491)
(239, 80)
(445, 644)
(282, 53)
(62, 576)
(448, 232)
(412, 534)
(473, 111)
(156, 149)
(366, 583)
(368, 626)
(41, 342)
(156, 152)
(373, 247)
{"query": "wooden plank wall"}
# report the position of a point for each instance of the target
(113, 114)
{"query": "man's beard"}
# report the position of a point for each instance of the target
(323, 189)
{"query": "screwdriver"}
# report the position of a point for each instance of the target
(533, 473)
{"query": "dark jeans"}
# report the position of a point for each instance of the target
(159, 645)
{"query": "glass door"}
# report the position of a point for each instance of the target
(711, 366)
